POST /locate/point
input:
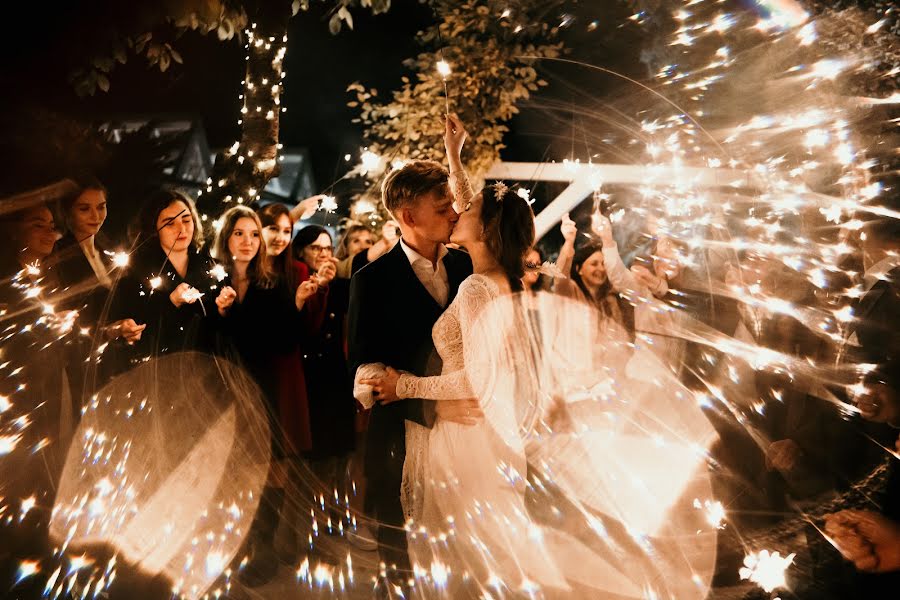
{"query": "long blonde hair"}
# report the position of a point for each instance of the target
(259, 271)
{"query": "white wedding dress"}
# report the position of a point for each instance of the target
(468, 482)
(464, 486)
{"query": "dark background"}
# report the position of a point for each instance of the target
(46, 40)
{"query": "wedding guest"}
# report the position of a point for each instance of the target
(357, 237)
(80, 252)
(84, 269)
(656, 323)
(329, 389)
(172, 284)
(869, 539)
(261, 319)
(358, 247)
(278, 228)
(37, 344)
(293, 404)
(588, 279)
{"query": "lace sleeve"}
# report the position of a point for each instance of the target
(474, 295)
(461, 188)
(449, 386)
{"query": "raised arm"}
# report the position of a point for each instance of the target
(566, 255)
(454, 138)
(306, 208)
(638, 280)
(389, 237)
(620, 277)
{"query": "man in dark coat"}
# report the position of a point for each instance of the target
(394, 303)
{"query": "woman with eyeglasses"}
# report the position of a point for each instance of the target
(332, 407)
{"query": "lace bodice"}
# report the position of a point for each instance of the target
(475, 293)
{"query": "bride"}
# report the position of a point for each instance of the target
(453, 471)
(469, 526)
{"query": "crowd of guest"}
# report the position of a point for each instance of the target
(272, 295)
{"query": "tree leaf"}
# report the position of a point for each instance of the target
(344, 14)
(334, 24)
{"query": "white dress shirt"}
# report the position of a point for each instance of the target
(434, 279)
(93, 258)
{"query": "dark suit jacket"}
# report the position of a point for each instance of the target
(84, 291)
(389, 321)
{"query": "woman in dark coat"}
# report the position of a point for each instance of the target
(81, 258)
(85, 270)
(330, 391)
(37, 341)
(261, 317)
(293, 404)
(172, 284)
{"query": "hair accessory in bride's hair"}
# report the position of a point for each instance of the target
(500, 190)
(548, 268)
(551, 270)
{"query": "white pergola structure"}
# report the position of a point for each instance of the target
(583, 179)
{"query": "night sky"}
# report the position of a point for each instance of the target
(319, 67)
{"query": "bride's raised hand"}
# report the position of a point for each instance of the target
(384, 388)
(454, 137)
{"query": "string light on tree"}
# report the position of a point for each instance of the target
(250, 162)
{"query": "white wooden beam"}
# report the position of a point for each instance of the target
(624, 174)
(584, 178)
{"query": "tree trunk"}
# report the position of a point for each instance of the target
(242, 171)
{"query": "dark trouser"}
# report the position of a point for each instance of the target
(383, 497)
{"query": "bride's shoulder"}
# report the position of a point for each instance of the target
(477, 284)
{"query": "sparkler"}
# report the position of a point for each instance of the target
(329, 204)
(443, 69)
(766, 569)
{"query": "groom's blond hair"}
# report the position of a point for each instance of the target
(403, 186)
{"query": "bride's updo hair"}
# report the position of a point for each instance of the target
(508, 230)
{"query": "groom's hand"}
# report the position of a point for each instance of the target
(465, 411)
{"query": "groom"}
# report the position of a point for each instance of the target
(394, 303)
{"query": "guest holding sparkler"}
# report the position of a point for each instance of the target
(588, 278)
(532, 281)
(85, 269)
(172, 284)
(261, 319)
(358, 247)
(330, 391)
(293, 405)
(871, 539)
(80, 255)
(37, 344)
